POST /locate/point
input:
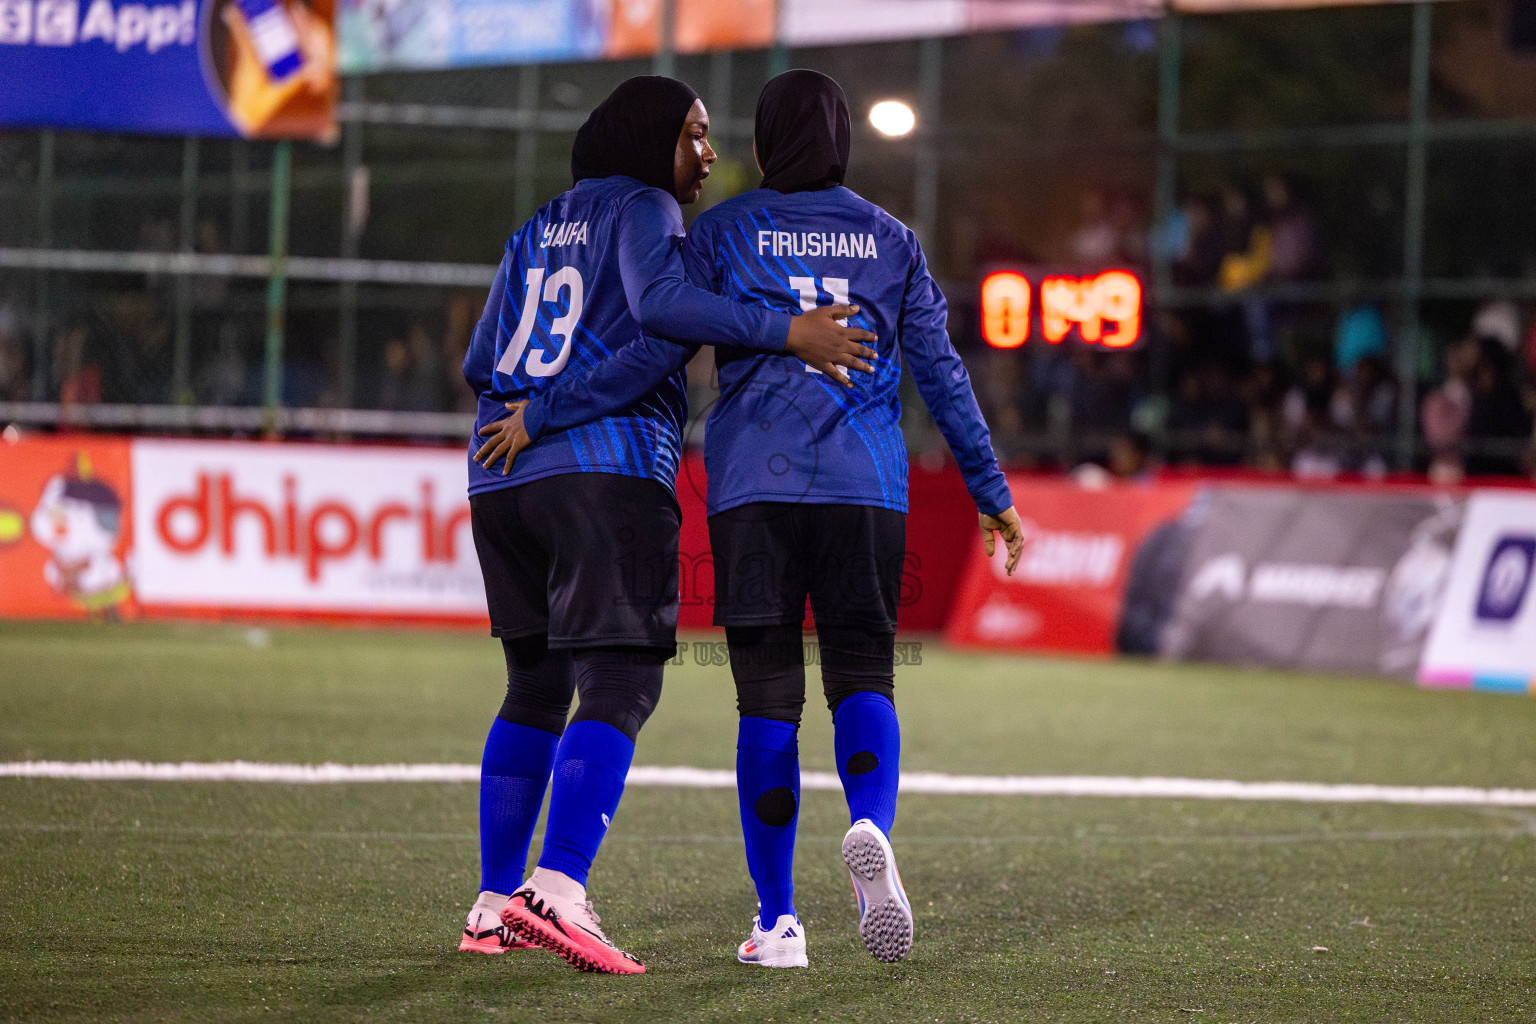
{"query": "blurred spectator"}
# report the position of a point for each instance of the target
(463, 312)
(1103, 390)
(1319, 452)
(413, 379)
(1001, 389)
(1109, 233)
(1498, 319)
(1366, 400)
(1307, 426)
(1263, 392)
(223, 379)
(1247, 252)
(1190, 242)
(431, 378)
(1130, 456)
(210, 290)
(136, 340)
(1497, 412)
(1293, 232)
(1308, 399)
(1444, 413)
(1211, 419)
(1129, 222)
(78, 381)
(1360, 332)
(1097, 240)
(1247, 244)
(395, 380)
(13, 356)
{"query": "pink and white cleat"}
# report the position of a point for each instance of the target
(483, 930)
(567, 928)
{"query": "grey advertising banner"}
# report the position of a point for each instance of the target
(1304, 579)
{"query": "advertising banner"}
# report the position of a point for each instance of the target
(304, 528)
(66, 538)
(1068, 591)
(381, 34)
(251, 68)
(111, 527)
(1347, 582)
(1485, 635)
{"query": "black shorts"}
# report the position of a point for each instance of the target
(769, 556)
(590, 559)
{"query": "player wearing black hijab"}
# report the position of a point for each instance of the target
(578, 542)
(808, 493)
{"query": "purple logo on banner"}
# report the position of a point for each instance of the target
(1506, 579)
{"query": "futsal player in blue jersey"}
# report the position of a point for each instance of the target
(578, 541)
(807, 492)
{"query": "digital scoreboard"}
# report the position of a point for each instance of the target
(1100, 309)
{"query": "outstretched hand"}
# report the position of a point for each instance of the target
(818, 339)
(1006, 523)
(507, 438)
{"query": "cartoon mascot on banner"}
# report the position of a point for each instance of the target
(79, 520)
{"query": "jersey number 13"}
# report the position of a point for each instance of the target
(547, 288)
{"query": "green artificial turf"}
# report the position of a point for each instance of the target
(223, 901)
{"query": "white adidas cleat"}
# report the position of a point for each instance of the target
(783, 945)
(885, 916)
(483, 930)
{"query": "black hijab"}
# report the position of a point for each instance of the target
(802, 132)
(634, 131)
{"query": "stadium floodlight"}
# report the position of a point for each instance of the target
(892, 118)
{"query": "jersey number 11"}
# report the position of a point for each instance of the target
(837, 287)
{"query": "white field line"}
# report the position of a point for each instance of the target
(683, 777)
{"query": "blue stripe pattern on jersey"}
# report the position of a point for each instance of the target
(845, 445)
(643, 440)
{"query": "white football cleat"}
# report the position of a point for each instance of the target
(783, 945)
(483, 930)
(885, 916)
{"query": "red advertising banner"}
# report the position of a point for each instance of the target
(66, 535)
(1068, 590)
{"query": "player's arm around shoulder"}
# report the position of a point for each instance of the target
(819, 337)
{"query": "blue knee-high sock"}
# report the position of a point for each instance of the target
(590, 768)
(768, 789)
(513, 774)
(867, 739)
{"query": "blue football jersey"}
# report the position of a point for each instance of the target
(575, 285)
(781, 431)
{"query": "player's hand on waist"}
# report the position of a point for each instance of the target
(817, 339)
(1006, 523)
(507, 438)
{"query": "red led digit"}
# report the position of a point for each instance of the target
(1005, 297)
(1065, 302)
(1117, 295)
